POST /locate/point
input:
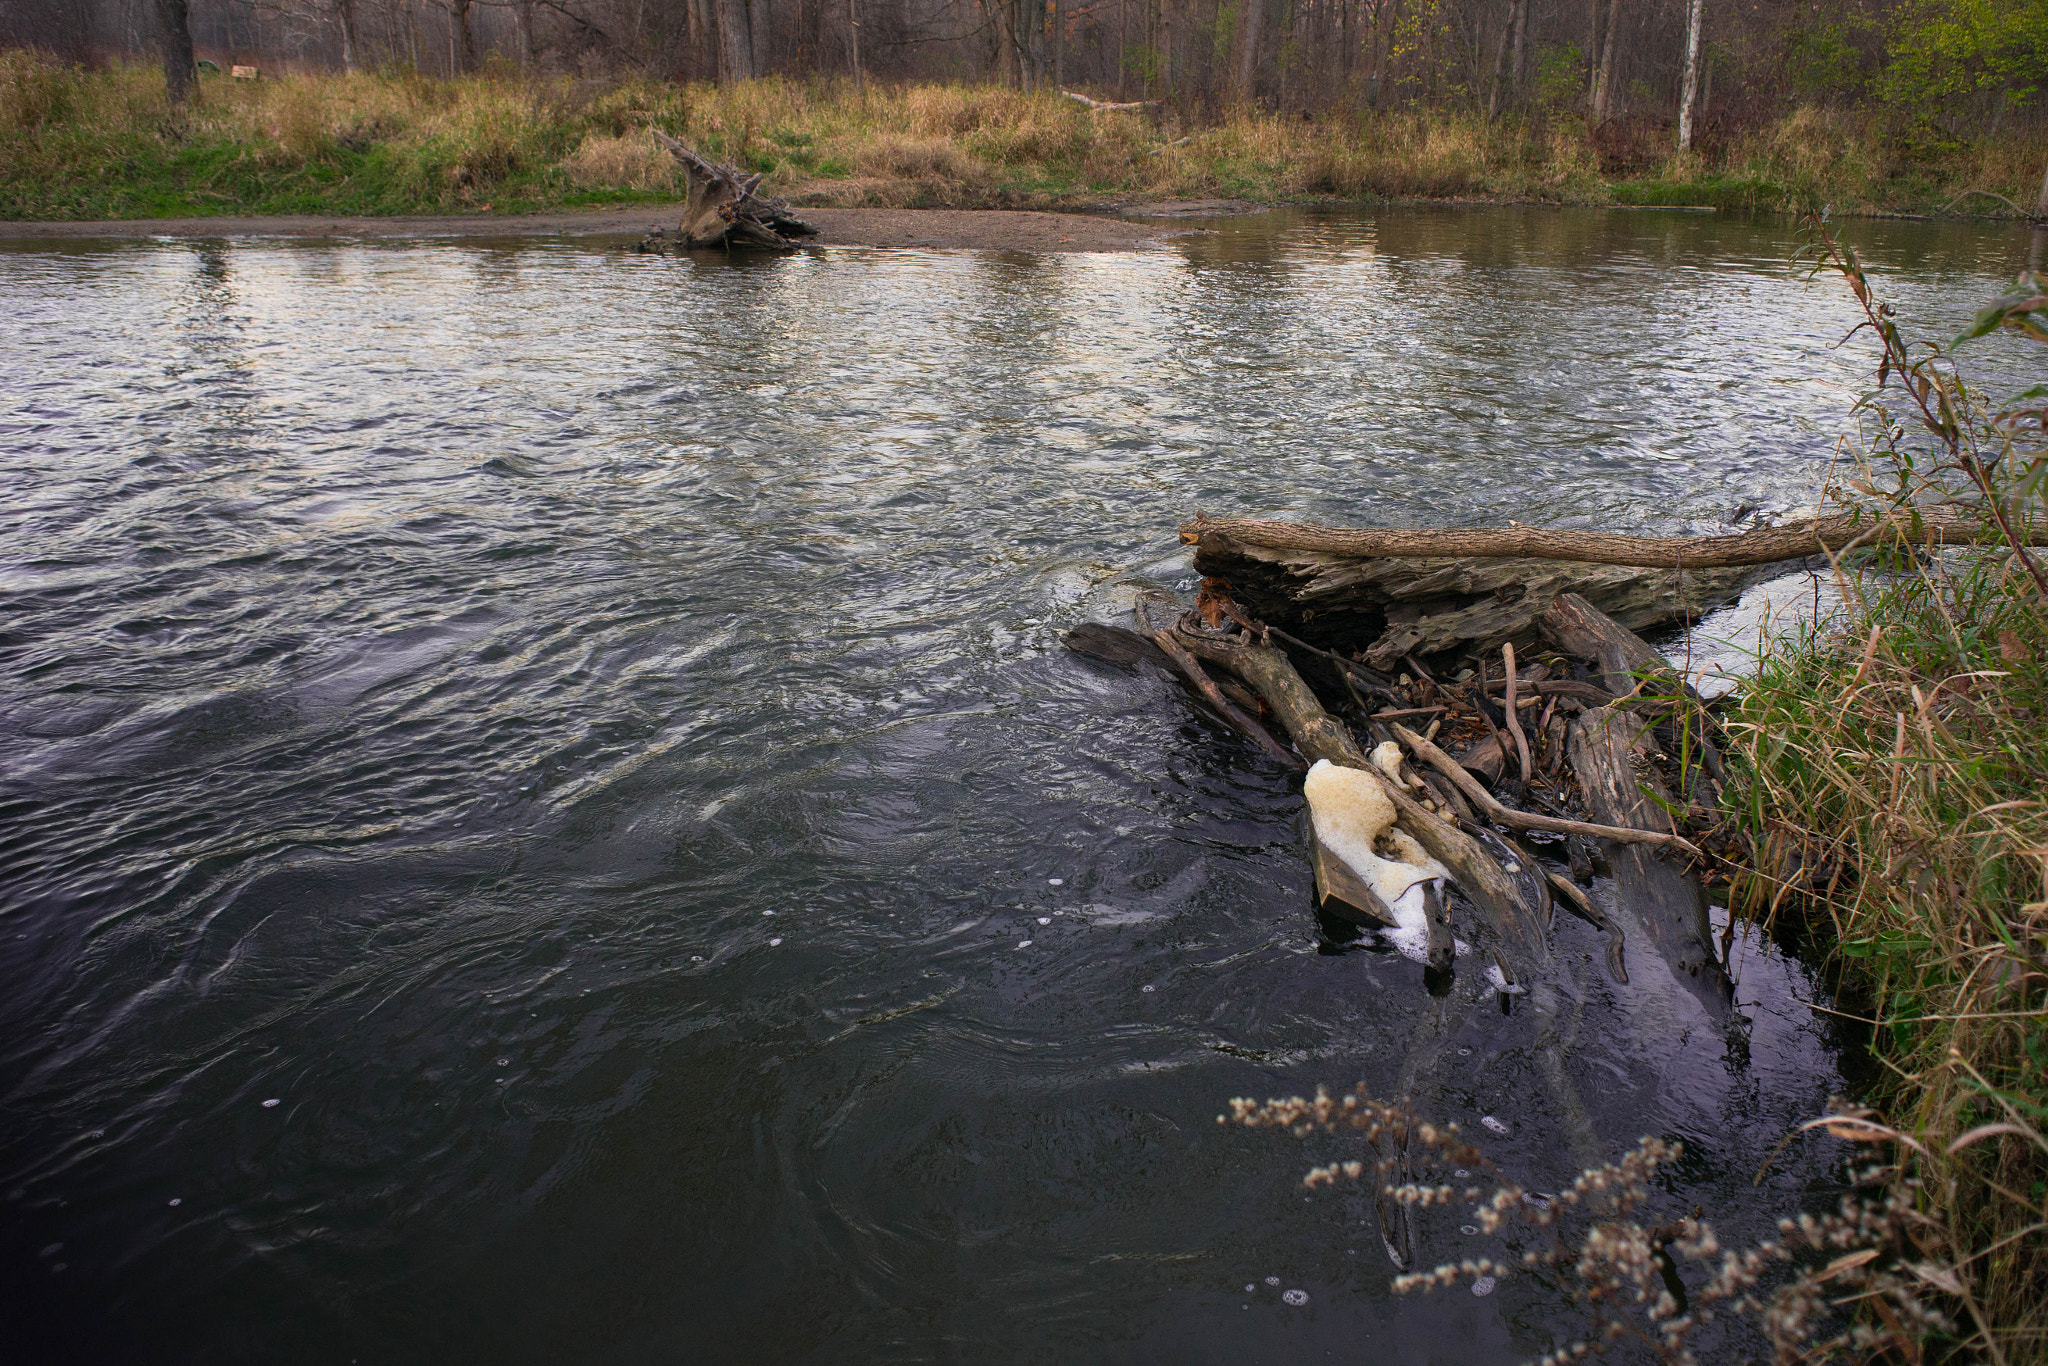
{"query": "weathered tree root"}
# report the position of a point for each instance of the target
(723, 205)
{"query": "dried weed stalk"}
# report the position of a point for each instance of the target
(1871, 1281)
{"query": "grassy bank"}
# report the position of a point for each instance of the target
(1891, 779)
(105, 144)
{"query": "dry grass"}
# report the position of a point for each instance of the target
(1892, 786)
(634, 162)
(105, 144)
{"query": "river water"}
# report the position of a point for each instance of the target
(543, 816)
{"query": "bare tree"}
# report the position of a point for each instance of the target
(853, 43)
(1691, 88)
(345, 15)
(174, 30)
(735, 41)
(1603, 83)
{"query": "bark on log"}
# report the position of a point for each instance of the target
(1577, 627)
(1114, 645)
(723, 205)
(1127, 649)
(1766, 545)
(1626, 661)
(1658, 894)
(1394, 607)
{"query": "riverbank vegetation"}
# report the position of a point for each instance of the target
(81, 144)
(1891, 782)
(438, 105)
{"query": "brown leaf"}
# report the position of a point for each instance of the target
(1847, 1261)
(1854, 1129)
(2012, 649)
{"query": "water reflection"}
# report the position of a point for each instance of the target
(585, 733)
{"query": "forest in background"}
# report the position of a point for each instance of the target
(1947, 70)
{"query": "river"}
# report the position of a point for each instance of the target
(544, 817)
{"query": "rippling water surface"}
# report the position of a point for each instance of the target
(543, 816)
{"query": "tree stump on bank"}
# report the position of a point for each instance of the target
(724, 206)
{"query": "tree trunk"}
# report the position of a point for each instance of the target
(735, 43)
(465, 26)
(345, 15)
(1123, 42)
(1651, 890)
(1603, 83)
(1518, 61)
(722, 204)
(1500, 57)
(1245, 49)
(1392, 607)
(174, 29)
(1576, 627)
(528, 56)
(1592, 54)
(853, 43)
(759, 30)
(1690, 90)
(2041, 211)
(1059, 44)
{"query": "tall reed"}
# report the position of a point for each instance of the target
(1891, 786)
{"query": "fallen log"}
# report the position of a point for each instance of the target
(1395, 607)
(722, 204)
(1114, 645)
(1127, 649)
(1101, 106)
(1765, 545)
(1628, 665)
(1198, 678)
(1625, 659)
(1661, 897)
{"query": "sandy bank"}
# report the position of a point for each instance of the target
(995, 229)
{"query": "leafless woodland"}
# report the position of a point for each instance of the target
(1606, 58)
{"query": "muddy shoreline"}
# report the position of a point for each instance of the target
(991, 229)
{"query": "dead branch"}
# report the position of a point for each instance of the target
(1475, 791)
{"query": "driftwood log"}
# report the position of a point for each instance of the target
(1450, 595)
(1609, 751)
(1766, 545)
(1392, 608)
(1576, 627)
(1621, 764)
(724, 205)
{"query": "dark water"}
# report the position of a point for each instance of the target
(544, 818)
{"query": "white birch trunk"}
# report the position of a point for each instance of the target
(1691, 88)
